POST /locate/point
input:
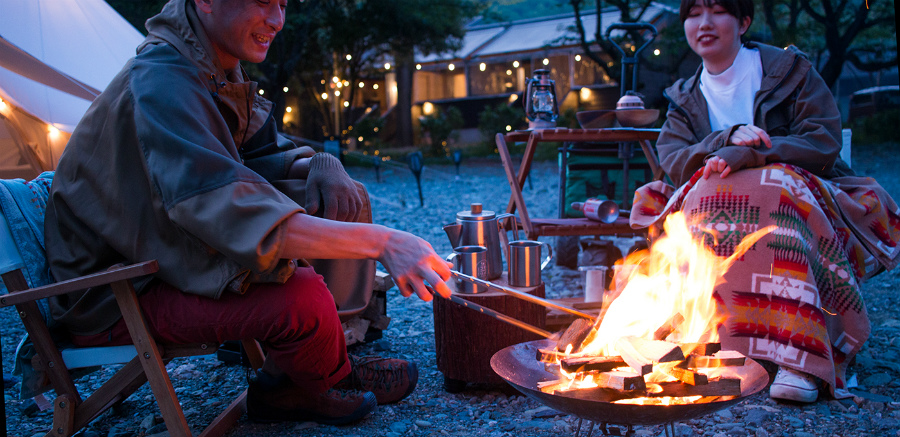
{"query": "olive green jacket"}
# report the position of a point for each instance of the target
(793, 106)
(171, 162)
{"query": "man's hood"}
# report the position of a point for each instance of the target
(179, 26)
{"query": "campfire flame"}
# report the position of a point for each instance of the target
(672, 280)
(677, 275)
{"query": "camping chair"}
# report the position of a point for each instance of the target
(144, 360)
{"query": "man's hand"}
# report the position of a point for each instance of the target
(330, 184)
(750, 136)
(411, 261)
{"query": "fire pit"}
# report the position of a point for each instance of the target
(518, 366)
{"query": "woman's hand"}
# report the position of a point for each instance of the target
(716, 165)
(750, 136)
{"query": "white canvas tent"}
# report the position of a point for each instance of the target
(55, 56)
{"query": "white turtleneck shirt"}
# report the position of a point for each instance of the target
(729, 94)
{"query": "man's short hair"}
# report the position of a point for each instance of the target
(737, 8)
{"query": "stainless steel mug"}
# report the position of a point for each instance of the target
(525, 262)
(472, 261)
(478, 227)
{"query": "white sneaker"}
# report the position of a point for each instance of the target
(793, 385)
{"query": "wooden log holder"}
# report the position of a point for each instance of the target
(465, 340)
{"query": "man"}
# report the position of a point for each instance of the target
(173, 162)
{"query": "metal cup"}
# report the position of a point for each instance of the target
(525, 262)
(472, 261)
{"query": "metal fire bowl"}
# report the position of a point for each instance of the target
(518, 366)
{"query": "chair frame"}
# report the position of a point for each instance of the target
(71, 413)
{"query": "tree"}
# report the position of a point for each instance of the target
(845, 23)
(407, 26)
(671, 39)
(835, 32)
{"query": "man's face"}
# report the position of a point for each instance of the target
(241, 30)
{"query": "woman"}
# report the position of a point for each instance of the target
(752, 139)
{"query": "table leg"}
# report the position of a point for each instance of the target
(515, 185)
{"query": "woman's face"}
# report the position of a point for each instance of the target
(714, 34)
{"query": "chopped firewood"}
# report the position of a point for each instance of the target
(619, 380)
(720, 359)
(669, 327)
(549, 355)
(715, 387)
(685, 375)
(543, 384)
(587, 364)
(641, 353)
(700, 348)
(575, 335)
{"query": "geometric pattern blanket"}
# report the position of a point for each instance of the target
(793, 298)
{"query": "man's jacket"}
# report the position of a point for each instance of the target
(793, 106)
(155, 170)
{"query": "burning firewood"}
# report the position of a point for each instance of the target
(715, 387)
(720, 359)
(669, 327)
(588, 364)
(700, 348)
(621, 381)
(576, 335)
(686, 376)
(641, 353)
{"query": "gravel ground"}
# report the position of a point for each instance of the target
(204, 384)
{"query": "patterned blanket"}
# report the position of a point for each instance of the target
(794, 298)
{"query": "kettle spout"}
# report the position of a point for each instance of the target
(454, 232)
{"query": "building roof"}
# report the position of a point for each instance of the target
(533, 34)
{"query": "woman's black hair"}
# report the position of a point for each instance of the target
(737, 8)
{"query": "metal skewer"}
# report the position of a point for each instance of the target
(502, 317)
(523, 296)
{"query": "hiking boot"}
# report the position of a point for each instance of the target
(793, 385)
(390, 379)
(271, 399)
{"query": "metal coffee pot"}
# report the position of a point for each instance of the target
(479, 228)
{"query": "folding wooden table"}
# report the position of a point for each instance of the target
(535, 227)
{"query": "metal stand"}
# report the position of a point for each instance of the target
(619, 430)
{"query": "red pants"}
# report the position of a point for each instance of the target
(297, 322)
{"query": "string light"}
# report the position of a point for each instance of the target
(285, 89)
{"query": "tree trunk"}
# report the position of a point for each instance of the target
(404, 99)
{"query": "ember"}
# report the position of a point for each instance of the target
(657, 342)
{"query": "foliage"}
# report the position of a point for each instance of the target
(439, 126)
(495, 119)
(368, 129)
(877, 128)
(834, 32)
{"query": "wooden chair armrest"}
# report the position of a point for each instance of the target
(114, 274)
